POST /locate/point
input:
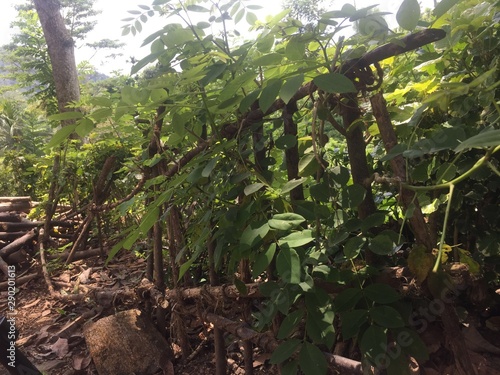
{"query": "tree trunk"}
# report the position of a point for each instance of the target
(60, 46)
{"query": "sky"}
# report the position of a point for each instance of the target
(109, 25)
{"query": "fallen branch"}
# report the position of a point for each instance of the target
(10, 236)
(84, 254)
(18, 243)
(19, 281)
(267, 342)
(215, 292)
(43, 261)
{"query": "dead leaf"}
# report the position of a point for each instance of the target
(66, 277)
(260, 359)
(34, 303)
(81, 362)
(478, 343)
(84, 276)
(60, 347)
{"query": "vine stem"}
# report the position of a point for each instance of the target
(460, 178)
(445, 225)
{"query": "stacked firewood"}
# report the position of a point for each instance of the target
(19, 235)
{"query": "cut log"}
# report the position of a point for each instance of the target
(16, 227)
(18, 243)
(10, 217)
(20, 206)
(11, 236)
(15, 199)
(127, 343)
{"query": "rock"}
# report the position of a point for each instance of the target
(127, 344)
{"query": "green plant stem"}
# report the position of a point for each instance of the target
(493, 168)
(443, 232)
(460, 178)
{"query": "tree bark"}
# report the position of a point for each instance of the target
(60, 46)
(388, 135)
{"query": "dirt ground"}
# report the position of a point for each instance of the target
(50, 327)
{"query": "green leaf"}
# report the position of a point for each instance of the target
(292, 184)
(145, 61)
(297, 239)
(353, 247)
(241, 287)
(387, 316)
(130, 95)
(138, 26)
(295, 49)
(308, 165)
(291, 321)
(312, 361)
(269, 95)
(288, 265)
(235, 84)
(85, 126)
(239, 16)
(443, 6)
(286, 141)
(101, 113)
(284, 351)
(381, 293)
(334, 83)
(290, 368)
(353, 195)
(66, 116)
(411, 343)
(269, 59)
(319, 326)
(321, 192)
(340, 175)
(263, 260)
(352, 321)
(197, 8)
(286, 221)
(159, 95)
(61, 135)
(253, 234)
(253, 188)
(251, 18)
(488, 138)
(290, 87)
(265, 43)
(381, 245)
(373, 220)
(347, 299)
(203, 25)
(420, 262)
(248, 100)
(149, 219)
(373, 344)
(408, 14)
(207, 171)
(101, 101)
